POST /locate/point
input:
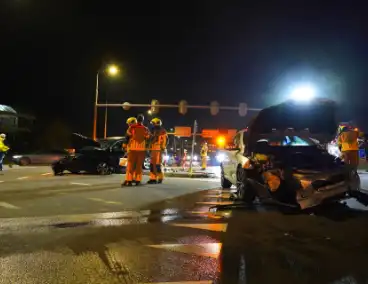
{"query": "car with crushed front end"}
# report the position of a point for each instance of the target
(278, 158)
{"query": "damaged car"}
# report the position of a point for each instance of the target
(97, 157)
(279, 158)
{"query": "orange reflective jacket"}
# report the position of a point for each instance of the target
(159, 140)
(348, 140)
(138, 134)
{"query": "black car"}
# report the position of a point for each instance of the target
(277, 158)
(90, 156)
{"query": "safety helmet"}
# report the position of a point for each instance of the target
(156, 121)
(131, 120)
(2, 135)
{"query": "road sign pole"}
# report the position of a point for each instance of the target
(193, 142)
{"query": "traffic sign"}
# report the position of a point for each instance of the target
(183, 131)
(209, 133)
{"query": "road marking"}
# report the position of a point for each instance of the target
(46, 174)
(215, 203)
(209, 250)
(216, 227)
(8, 205)
(79, 183)
(183, 282)
(21, 178)
(1, 181)
(104, 201)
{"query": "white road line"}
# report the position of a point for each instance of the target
(79, 183)
(8, 205)
(21, 178)
(1, 181)
(46, 174)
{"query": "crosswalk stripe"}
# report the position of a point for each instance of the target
(215, 202)
(21, 178)
(183, 282)
(217, 227)
(208, 249)
(8, 205)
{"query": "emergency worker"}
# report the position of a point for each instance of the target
(348, 144)
(138, 134)
(157, 148)
(130, 121)
(204, 151)
(3, 150)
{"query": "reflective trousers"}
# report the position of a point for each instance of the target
(135, 165)
(204, 162)
(156, 172)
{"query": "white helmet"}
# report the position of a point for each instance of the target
(2, 135)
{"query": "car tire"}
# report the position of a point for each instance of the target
(353, 191)
(102, 169)
(245, 191)
(225, 183)
(24, 161)
(58, 171)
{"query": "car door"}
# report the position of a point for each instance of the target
(116, 152)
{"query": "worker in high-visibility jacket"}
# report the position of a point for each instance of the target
(348, 144)
(130, 121)
(3, 150)
(157, 148)
(204, 151)
(138, 135)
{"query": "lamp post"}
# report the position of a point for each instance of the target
(112, 70)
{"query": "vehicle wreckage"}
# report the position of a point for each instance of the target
(279, 158)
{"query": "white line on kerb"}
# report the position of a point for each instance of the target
(79, 183)
(20, 178)
(8, 205)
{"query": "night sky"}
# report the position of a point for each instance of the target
(199, 51)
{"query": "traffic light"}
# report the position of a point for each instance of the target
(243, 109)
(183, 107)
(214, 108)
(154, 108)
(221, 141)
(126, 106)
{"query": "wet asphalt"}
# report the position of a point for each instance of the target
(65, 231)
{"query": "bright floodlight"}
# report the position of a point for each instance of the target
(113, 70)
(303, 93)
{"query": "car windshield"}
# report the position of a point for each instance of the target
(290, 141)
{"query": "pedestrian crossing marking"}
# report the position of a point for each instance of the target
(216, 227)
(184, 282)
(208, 250)
(8, 205)
(216, 202)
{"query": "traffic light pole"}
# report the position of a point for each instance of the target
(175, 106)
(195, 126)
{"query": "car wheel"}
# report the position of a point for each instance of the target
(102, 169)
(245, 191)
(225, 183)
(24, 161)
(58, 171)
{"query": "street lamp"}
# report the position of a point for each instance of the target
(149, 112)
(111, 70)
(303, 93)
